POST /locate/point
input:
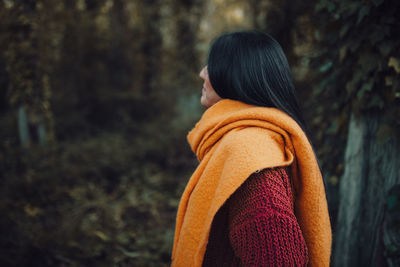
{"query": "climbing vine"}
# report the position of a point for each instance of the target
(359, 59)
(355, 69)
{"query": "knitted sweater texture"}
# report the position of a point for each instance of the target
(257, 225)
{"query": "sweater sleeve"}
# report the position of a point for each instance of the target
(263, 229)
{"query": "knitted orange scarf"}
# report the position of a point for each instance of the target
(232, 140)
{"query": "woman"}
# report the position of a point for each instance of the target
(257, 197)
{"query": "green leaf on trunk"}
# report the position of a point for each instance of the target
(376, 101)
(377, 2)
(360, 94)
(385, 48)
(368, 61)
(391, 201)
(334, 127)
(325, 67)
(362, 13)
(331, 7)
(344, 30)
(368, 86)
(342, 53)
(377, 35)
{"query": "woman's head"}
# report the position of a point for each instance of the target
(250, 66)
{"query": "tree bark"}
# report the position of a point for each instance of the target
(151, 46)
(371, 170)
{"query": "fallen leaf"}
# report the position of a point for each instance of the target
(31, 210)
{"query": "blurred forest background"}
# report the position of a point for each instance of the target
(97, 96)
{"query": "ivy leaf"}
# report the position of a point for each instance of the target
(317, 35)
(388, 80)
(31, 210)
(368, 86)
(322, 4)
(385, 48)
(391, 201)
(322, 85)
(377, 2)
(325, 67)
(342, 53)
(336, 16)
(344, 30)
(351, 85)
(354, 44)
(331, 7)
(376, 101)
(368, 61)
(360, 94)
(334, 127)
(395, 63)
(351, 7)
(377, 35)
(362, 13)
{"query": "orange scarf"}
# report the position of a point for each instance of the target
(233, 140)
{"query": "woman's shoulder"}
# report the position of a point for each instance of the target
(268, 179)
(254, 141)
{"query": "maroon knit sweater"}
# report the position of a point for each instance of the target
(257, 226)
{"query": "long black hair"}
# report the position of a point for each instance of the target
(250, 66)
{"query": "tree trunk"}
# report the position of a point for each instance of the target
(186, 30)
(371, 170)
(23, 128)
(151, 46)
